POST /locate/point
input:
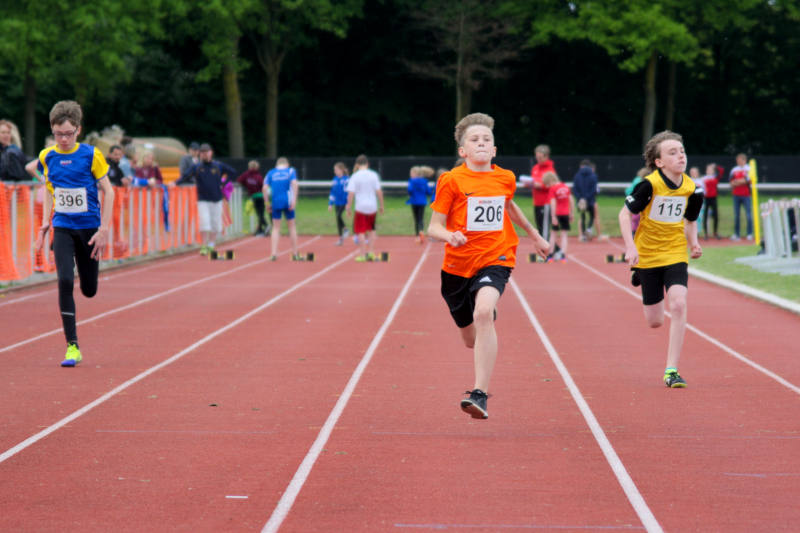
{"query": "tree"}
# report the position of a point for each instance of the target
(468, 40)
(277, 27)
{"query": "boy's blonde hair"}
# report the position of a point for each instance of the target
(426, 171)
(253, 165)
(282, 161)
(652, 149)
(549, 178)
(474, 119)
(542, 148)
(66, 110)
(414, 171)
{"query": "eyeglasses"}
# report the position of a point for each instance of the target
(64, 134)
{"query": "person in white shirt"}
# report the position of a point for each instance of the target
(365, 196)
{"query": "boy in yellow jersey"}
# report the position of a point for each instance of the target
(669, 203)
(74, 174)
(473, 214)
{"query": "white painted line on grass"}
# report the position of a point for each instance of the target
(626, 482)
(144, 300)
(296, 484)
(107, 396)
(724, 347)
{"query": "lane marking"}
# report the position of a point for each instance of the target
(626, 482)
(298, 480)
(147, 299)
(107, 396)
(497, 527)
(234, 497)
(724, 347)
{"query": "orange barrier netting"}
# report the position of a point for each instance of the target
(142, 223)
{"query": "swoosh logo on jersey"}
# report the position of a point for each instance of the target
(469, 193)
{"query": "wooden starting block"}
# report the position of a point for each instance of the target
(214, 255)
(303, 257)
(535, 258)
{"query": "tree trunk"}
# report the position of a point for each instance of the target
(272, 116)
(29, 144)
(672, 80)
(649, 117)
(233, 106)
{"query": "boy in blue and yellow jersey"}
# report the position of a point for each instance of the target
(669, 203)
(280, 186)
(73, 174)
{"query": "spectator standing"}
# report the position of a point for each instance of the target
(253, 183)
(74, 174)
(115, 174)
(280, 186)
(740, 189)
(12, 159)
(541, 195)
(710, 183)
(337, 199)
(209, 176)
(148, 173)
(365, 197)
(190, 159)
(418, 193)
(584, 188)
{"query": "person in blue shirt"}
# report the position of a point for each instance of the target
(209, 176)
(280, 186)
(418, 193)
(74, 175)
(584, 188)
(338, 199)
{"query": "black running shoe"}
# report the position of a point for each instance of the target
(475, 405)
(673, 380)
(635, 280)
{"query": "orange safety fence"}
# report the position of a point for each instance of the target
(142, 223)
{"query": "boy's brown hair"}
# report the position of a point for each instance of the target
(473, 119)
(66, 110)
(652, 149)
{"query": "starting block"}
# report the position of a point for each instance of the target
(303, 257)
(382, 257)
(214, 255)
(611, 258)
(535, 258)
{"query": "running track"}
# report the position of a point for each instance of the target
(298, 397)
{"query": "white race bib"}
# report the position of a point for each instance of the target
(71, 200)
(668, 208)
(485, 213)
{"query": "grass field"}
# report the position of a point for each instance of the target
(314, 218)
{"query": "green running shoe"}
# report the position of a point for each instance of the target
(73, 356)
(674, 380)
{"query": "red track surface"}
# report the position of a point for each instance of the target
(212, 440)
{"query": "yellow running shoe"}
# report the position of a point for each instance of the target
(73, 356)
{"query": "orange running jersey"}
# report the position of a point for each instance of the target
(475, 204)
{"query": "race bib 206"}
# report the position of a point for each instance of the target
(485, 213)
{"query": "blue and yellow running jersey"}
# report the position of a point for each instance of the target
(660, 239)
(71, 179)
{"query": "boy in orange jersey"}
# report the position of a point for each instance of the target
(473, 214)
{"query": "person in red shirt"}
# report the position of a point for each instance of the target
(541, 195)
(710, 182)
(562, 207)
(253, 182)
(473, 214)
(740, 189)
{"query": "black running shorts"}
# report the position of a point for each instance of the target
(459, 292)
(657, 280)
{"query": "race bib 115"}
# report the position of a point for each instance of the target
(668, 208)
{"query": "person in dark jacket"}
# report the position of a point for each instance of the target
(584, 188)
(209, 176)
(12, 159)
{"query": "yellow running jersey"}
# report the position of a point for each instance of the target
(660, 238)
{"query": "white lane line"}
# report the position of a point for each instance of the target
(296, 484)
(145, 300)
(107, 396)
(626, 482)
(719, 344)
